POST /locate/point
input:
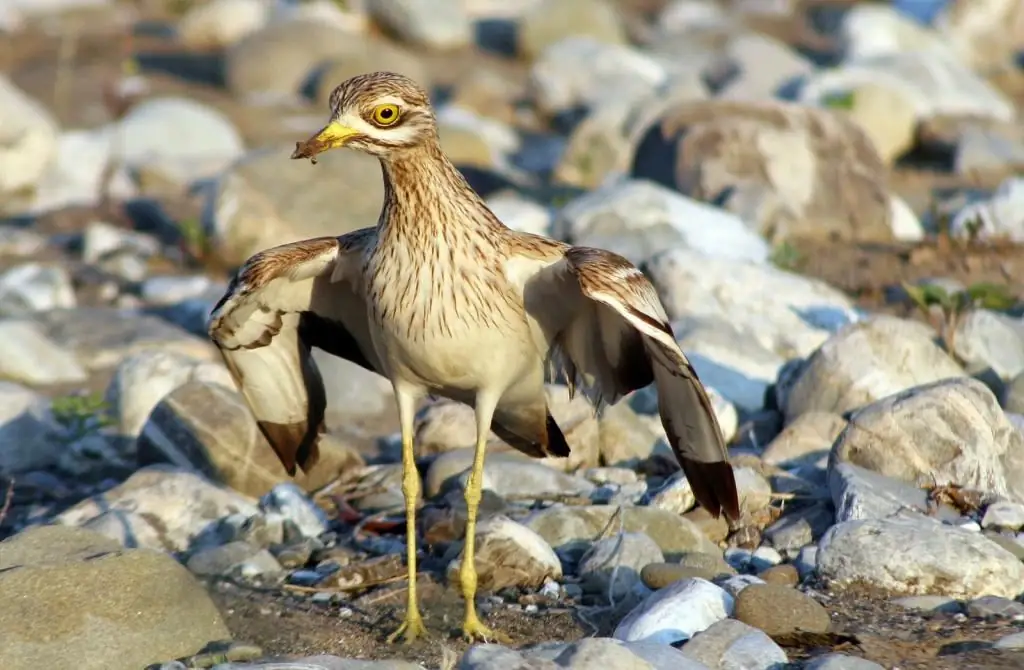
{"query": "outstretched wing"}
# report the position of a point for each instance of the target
(282, 302)
(608, 331)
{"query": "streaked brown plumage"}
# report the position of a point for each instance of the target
(442, 298)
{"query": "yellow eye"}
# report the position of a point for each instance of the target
(385, 115)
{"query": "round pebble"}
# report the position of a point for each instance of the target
(778, 610)
(783, 575)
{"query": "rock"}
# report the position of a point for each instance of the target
(733, 644)
(208, 426)
(368, 54)
(18, 242)
(321, 662)
(994, 606)
(859, 493)
(350, 17)
(159, 507)
(102, 336)
(265, 199)
(799, 527)
(29, 437)
(172, 289)
(549, 21)
(28, 140)
(936, 558)
(614, 564)
(999, 217)
(804, 444)
(735, 584)
(865, 362)
(836, 661)
(1004, 514)
(288, 502)
(990, 342)
(754, 560)
(221, 560)
(509, 554)
(519, 213)
(424, 23)
(610, 475)
(676, 613)
(693, 564)
(987, 35)
(636, 218)
(85, 602)
(29, 356)
(497, 657)
(870, 30)
(930, 604)
(737, 338)
(1011, 642)
(75, 174)
(385, 478)
(780, 610)
(754, 491)
(715, 529)
(143, 379)
(764, 68)
(886, 115)
(34, 287)
(276, 61)
(786, 169)
(781, 575)
(806, 561)
(966, 438)
(581, 71)
(936, 85)
(571, 529)
(675, 496)
(505, 473)
(205, 140)
(596, 652)
(983, 149)
(220, 23)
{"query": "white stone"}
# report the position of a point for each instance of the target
(999, 217)
(642, 217)
(906, 227)
(29, 356)
(435, 24)
(1004, 514)
(520, 214)
(159, 507)
(735, 645)
(613, 564)
(28, 434)
(511, 555)
(933, 558)
(28, 138)
(219, 23)
(676, 612)
(75, 176)
(880, 30)
(286, 501)
(35, 287)
(987, 340)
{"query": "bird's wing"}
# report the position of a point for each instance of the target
(603, 324)
(282, 302)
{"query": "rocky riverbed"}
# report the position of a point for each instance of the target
(827, 194)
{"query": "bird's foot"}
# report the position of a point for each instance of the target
(411, 629)
(473, 630)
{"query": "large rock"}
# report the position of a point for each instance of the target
(933, 558)
(740, 321)
(787, 169)
(365, 53)
(549, 21)
(508, 554)
(29, 437)
(986, 34)
(950, 431)
(865, 362)
(76, 599)
(208, 426)
(268, 199)
(637, 218)
(676, 613)
(433, 24)
(220, 23)
(159, 507)
(29, 356)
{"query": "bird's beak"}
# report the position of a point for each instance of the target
(333, 135)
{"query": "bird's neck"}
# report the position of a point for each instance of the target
(426, 196)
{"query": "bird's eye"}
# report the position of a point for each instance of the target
(385, 115)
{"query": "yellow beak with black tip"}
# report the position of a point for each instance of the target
(332, 136)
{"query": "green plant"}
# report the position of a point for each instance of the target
(785, 256)
(839, 100)
(80, 414)
(953, 306)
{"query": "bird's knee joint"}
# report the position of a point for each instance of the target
(411, 486)
(467, 577)
(473, 497)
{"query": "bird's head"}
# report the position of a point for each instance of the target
(381, 113)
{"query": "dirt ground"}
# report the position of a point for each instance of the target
(865, 624)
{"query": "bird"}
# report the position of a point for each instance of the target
(444, 300)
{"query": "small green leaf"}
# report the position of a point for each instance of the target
(988, 295)
(839, 100)
(926, 295)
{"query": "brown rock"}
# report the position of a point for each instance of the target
(716, 529)
(782, 575)
(778, 610)
(659, 575)
(795, 170)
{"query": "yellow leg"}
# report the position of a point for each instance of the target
(472, 628)
(412, 627)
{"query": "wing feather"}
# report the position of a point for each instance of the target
(602, 318)
(282, 302)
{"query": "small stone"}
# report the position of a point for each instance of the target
(930, 604)
(509, 554)
(34, 287)
(290, 503)
(994, 606)
(216, 561)
(806, 561)
(676, 613)
(778, 610)
(841, 662)
(1004, 514)
(733, 644)
(734, 584)
(781, 575)
(29, 356)
(1011, 642)
(621, 558)
(715, 529)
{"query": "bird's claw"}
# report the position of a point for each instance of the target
(410, 630)
(473, 630)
